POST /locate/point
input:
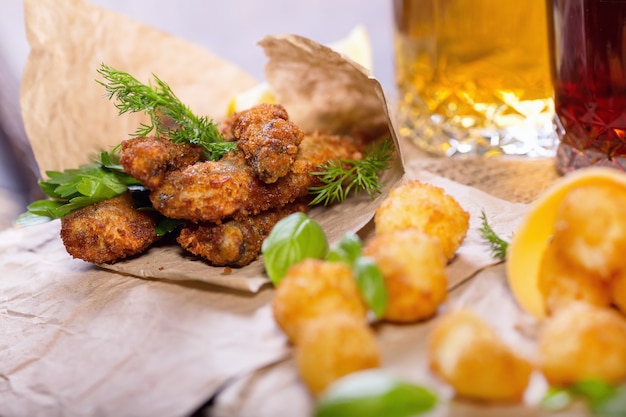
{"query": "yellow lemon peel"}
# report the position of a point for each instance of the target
(531, 238)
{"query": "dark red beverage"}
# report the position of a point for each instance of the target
(588, 47)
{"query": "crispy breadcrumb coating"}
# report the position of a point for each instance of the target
(332, 346)
(312, 288)
(465, 352)
(108, 231)
(268, 140)
(148, 159)
(428, 208)
(414, 269)
(581, 342)
(233, 243)
(211, 191)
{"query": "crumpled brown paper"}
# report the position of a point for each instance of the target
(66, 115)
(81, 340)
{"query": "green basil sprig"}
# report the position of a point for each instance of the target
(297, 237)
(374, 393)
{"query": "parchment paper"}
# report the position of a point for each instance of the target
(81, 340)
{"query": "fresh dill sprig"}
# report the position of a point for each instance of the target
(343, 176)
(73, 189)
(160, 103)
(498, 245)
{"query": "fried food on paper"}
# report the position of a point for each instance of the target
(148, 159)
(234, 243)
(268, 140)
(468, 354)
(414, 270)
(428, 208)
(581, 342)
(332, 346)
(108, 231)
(314, 288)
(561, 283)
(211, 191)
(590, 231)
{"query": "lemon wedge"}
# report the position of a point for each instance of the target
(530, 240)
(356, 46)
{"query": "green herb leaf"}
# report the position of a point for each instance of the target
(498, 246)
(602, 398)
(556, 399)
(73, 189)
(164, 108)
(291, 240)
(371, 282)
(347, 250)
(343, 176)
(374, 394)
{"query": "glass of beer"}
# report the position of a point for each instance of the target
(588, 49)
(473, 77)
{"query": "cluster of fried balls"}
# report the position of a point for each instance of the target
(582, 280)
(418, 229)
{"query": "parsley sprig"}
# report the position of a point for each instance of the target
(343, 176)
(72, 189)
(163, 107)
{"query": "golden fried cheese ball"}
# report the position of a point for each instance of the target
(582, 341)
(560, 282)
(617, 290)
(332, 346)
(426, 207)
(414, 268)
(590, 230)
(465, 352)
(314, 287)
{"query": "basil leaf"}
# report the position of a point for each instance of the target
(371, 282)
(347, 250)
(374, 394)
(291, 240)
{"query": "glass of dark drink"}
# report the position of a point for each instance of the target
(588, 62)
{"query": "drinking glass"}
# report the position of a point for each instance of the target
(473, 76)
(588, 60)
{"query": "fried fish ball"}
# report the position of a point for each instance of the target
(108, 231)
(590, 230)
(414, 269)
(468, 354)
(426, 207)
(582, 341)
(560, 282)
(312, 288)
(332, 346)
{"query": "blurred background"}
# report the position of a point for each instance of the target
(228, 29)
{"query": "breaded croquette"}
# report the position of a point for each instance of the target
(312, 288)
(414, 269)
(426, 207)
(234, 243)
(581, 342)
(560, 282)
(332, 346)
(108, 231)
(468, 354)
(590, 230)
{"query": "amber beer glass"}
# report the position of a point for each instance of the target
(473, 76)
(588, 45)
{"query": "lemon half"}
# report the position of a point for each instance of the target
(532, 237)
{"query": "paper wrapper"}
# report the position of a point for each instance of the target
(82, 340)
(67, 116)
